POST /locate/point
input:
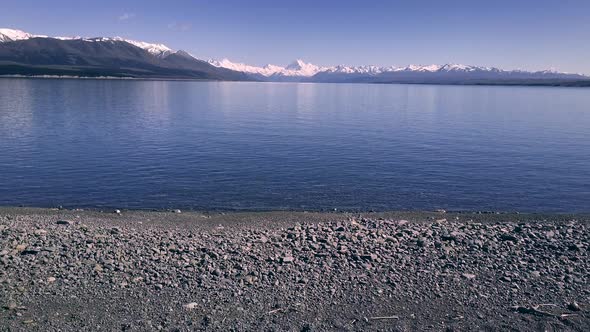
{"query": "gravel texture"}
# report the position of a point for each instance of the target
(63, 270)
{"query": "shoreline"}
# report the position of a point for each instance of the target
(304, 271)
(330, 211)
(540, 83)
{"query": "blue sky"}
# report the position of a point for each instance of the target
(528, 34)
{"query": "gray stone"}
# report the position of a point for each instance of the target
(64, 222)
(287, 259)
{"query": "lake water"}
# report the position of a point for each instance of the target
(268, 146)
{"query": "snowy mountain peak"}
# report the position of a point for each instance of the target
(301, 68)
(8, 35)
(185, 54)
(267, 70)
(297, 68)
(297, 65)
(155, 49)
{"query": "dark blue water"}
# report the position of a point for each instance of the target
(199, 145)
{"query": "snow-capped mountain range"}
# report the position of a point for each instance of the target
(7, 35)
(118, 53)
(27, 54)
(299, 68)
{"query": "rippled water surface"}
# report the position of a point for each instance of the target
(210, 145)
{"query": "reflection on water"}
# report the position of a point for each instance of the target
(224, 145)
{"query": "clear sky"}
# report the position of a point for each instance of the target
(527, 34)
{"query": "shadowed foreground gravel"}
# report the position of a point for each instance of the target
(143, 271)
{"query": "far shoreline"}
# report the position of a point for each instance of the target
(548, 84)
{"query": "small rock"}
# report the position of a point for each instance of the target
(370, 257)
(306, 328)
(468, 276)
(98, 268)
(10, 306)
(448, 237)
(508, 237)
(51, 279)
(573, 306)
(402, 222)
(29, 252)
(191, 306)
(422, 242)
(117, 211)
(176, 211)
(287, 259)
(21, 247)
(575, 247)
(64, 222)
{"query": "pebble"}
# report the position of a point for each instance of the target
(508, 237)
(573, 306)
(370, 257)
(288, 259)
(64, 222)
(191, 306)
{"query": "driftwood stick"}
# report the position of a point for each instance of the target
(384, 317)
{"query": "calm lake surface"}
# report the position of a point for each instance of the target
(261, 146)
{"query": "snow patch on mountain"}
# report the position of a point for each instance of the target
(296, 68)
(8, 35)
(267, 70)
(160, 50)
(301, 68)
(156, 49)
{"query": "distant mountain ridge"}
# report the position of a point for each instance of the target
(27, 54)
(23, 53)
(447, 73)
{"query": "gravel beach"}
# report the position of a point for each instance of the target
(64, 270)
